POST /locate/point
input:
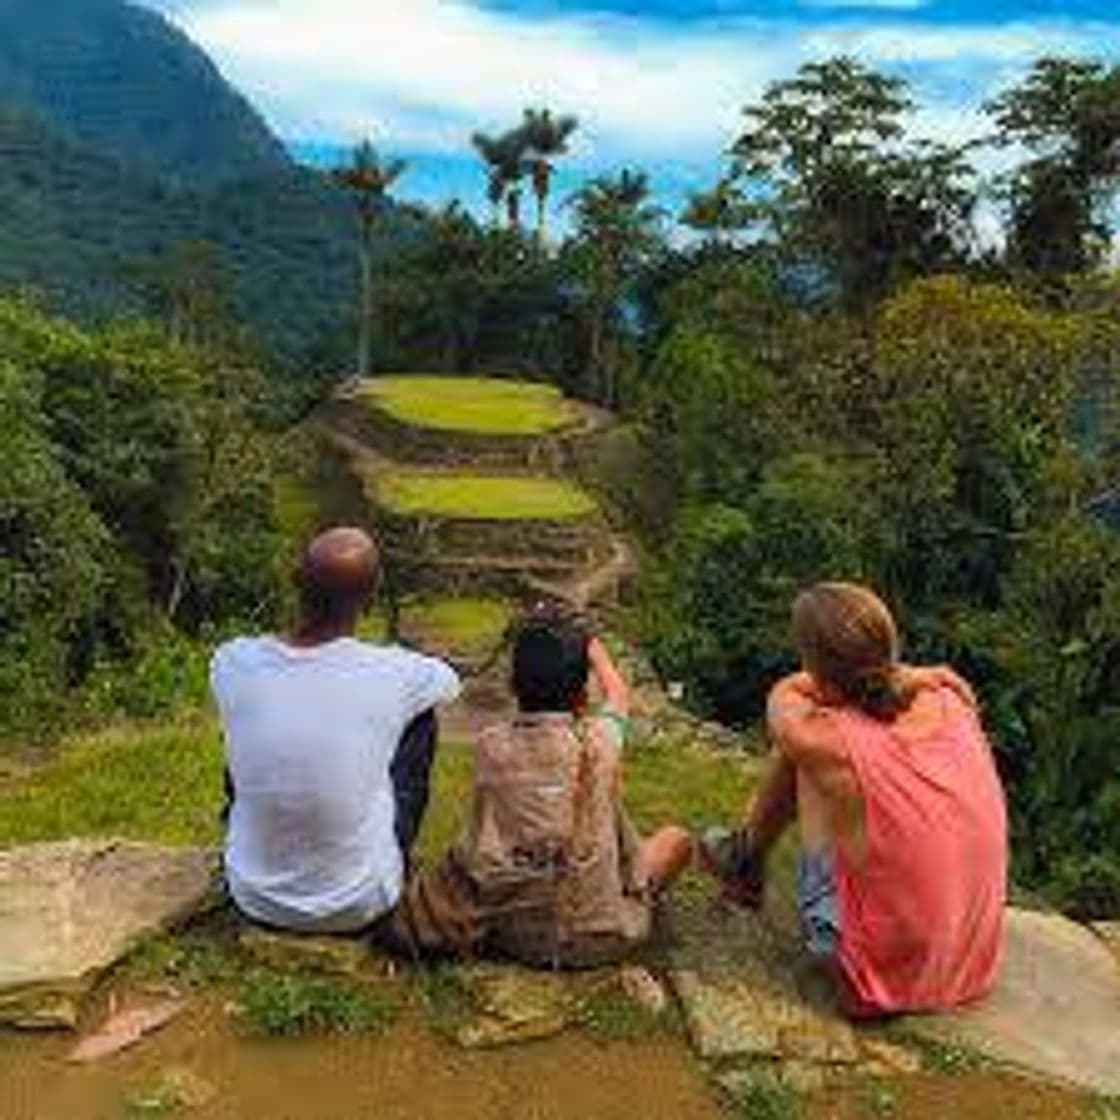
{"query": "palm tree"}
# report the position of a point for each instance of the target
(545, 137)
(368, 178)
(719, 213)
(616, 233)
(506, 166)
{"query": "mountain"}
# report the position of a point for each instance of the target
(122, 80)
(89, 232)
(119, 140)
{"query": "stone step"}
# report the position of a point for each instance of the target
(553, 452)
(435, 539)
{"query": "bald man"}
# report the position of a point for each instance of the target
(329, 744)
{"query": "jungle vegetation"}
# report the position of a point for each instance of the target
(829, 375)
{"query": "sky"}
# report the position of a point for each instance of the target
(658, 84)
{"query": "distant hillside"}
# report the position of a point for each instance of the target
(122, 80)
(119, 140)
(87, 230)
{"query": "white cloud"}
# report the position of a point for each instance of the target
(423, 74)
(1006, 43)
(430, 71)
(870, 5)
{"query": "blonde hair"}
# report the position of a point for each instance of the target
(848, 640)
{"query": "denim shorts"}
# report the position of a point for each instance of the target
(816, 903)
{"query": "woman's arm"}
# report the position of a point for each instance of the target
(612, 684)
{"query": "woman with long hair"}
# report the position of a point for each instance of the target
(887, 771)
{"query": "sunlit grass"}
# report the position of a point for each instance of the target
(468, 626)
(469, 404)
(279, 1004)
(463, 627)
(165, 784)
(481, 497)
(161, 783)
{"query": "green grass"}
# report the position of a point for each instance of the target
(275, 1004)
(201, 957)
(765, 1097)
(673, 783)
(159, 783)
(460, 628)
(481, 497)
(880, 1100)
(445, 996)
(165, 784)
(469, 404)
(467, 626)
(946, 1058)
(610, 1013)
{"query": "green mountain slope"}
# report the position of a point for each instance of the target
(119, 140)
(122, 80)
(86, 231)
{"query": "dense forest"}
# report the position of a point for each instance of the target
(822, 369)
(120, 142)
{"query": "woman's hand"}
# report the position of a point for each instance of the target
(915, 679)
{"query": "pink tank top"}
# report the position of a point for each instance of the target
(921, 918)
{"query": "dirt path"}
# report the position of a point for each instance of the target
(408, 1074)
(412, 1074)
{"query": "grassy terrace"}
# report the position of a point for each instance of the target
(164, 783)
(481, 497)
(468, 627)
(468, 404)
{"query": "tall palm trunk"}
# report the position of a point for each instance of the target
(365, 324)
(513, 208)
(542, 175)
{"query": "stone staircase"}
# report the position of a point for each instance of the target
(460, 547)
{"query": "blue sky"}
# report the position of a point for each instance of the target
(655, 83)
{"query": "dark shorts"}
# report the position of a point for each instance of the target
(817, 905)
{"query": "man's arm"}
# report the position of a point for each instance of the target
(429, 683)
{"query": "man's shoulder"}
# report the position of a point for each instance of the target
(388, 657)
(237, 651)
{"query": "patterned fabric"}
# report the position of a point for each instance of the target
(548, 869)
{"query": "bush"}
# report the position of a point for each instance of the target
(279, 1004)
(940, 451)
(137, 497)
(716, 613)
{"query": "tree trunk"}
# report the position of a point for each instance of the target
(365, 321)
(595, 354)
(542, 212)
(178, 589)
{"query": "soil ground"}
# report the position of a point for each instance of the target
(411, 1073)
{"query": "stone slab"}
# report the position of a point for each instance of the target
(511, 1004)
(730, 1019)
(748, 997)
(70, 910)
(1109, 933)
(745, 994)
(331, 955)
(1055, 1012)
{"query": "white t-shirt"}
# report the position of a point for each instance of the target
(310, 736)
